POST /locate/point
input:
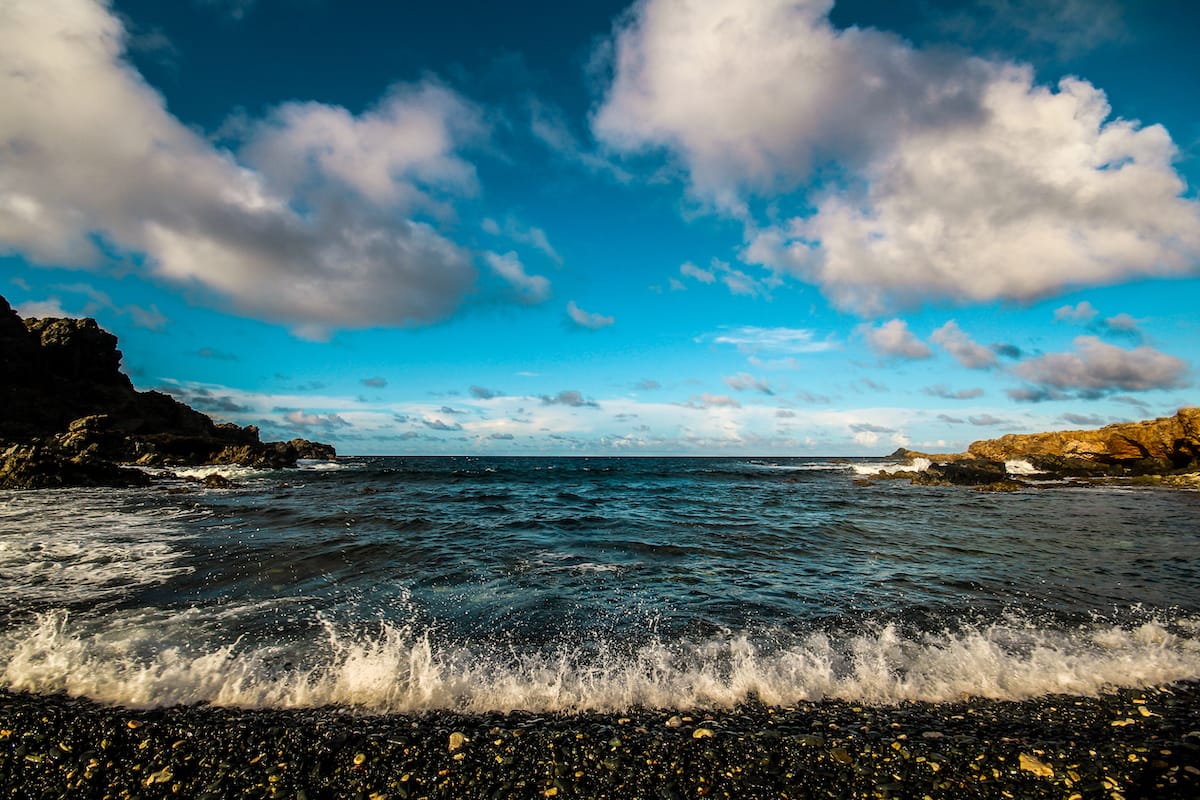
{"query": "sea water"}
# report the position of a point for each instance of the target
(478, 584)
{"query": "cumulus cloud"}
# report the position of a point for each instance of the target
(531, 235)
(45, 308)
(949, 420)
(735, 280)
(376, 382)
(441, 425)
(1006, 350)
(955, 341)
(712, 401)
(97, 302)
(1122, 326)
(311, 223)
(299, 419)
(1096, 369)
(893, 339)
(867, 427)
(647, 385)
(946, 393)
(531, 289)
(203, 399)
(569, 397)
(587, 319)
(964, 179)
(1081, 312)
(690, 270)
(483, 393)
(744, 381)
(986, 420)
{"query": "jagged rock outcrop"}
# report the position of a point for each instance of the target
(1167, 448)
(70, 417)
(1152, 446)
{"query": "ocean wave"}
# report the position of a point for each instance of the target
(84, 548)
(160, 660)
(888, 468)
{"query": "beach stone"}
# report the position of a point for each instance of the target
(1035, 765)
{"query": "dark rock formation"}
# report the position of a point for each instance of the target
(69, 416)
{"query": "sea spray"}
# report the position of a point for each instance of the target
(162, 661)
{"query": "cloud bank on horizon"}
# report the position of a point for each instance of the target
(881, 219)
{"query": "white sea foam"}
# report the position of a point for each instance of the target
(231, 471)
(151, 660)
(1019, 466)
(83, 548)
(880, 468)
(318, 465)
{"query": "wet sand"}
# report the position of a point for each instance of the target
(1128, 744)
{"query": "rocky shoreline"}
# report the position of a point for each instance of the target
(70, 417)
(1127, 744)
(1161, 452)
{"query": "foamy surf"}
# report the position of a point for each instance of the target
(148, 660)
(882, 468)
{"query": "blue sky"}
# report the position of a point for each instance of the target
(673, 227)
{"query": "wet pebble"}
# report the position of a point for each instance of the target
(1058, 747)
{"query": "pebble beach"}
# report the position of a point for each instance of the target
(1128, 744)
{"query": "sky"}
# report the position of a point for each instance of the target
(693, 227)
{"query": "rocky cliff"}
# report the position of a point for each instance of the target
(69, 416)
(1164, 450)
(1151, 446)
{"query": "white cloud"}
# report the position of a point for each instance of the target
(44, 308)
(302, 420)
(150, 318)
(310, 228)
(1082, 311)
(735, 280)
(957, 343)
(893, 339)
(754, 339)
(690, 270)
(1097, 368)
(963, 179)
(530, 288)
(587, 319)
(522, 234)
(744, 380)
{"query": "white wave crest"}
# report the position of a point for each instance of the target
(1019, 466)
(917, 465)
(81, 548)
(156, 661)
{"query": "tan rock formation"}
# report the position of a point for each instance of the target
(1167, 443)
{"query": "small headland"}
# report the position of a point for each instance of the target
(1156, 452)
(70, 417)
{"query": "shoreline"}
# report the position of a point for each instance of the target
(1127, 744)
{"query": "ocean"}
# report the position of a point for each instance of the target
(470, 584)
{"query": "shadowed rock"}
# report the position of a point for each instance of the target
(69, 416)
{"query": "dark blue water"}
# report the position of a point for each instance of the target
(402, 583)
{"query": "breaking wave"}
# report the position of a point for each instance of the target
(160, 659)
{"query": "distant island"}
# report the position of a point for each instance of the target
(70, 417)
(1158, 451)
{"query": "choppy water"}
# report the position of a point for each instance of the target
(481, 584)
